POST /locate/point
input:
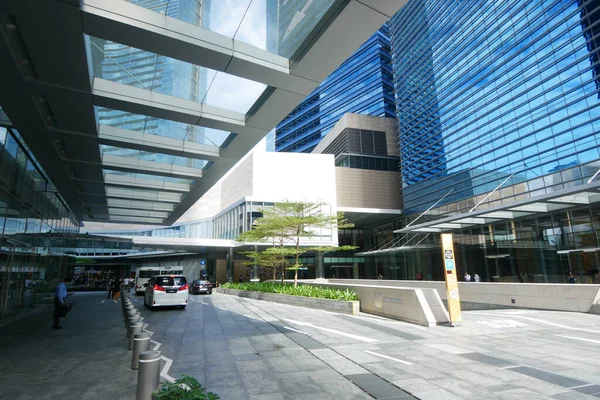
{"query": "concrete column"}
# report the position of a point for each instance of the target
(355, 271)
(255, 270)
(230, 264)
(319, 266)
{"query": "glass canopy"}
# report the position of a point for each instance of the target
(277, 26)
(149, 176)
(154, 157)
(144, 70)
(161, 127)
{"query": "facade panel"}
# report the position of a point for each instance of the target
(362, 84)
(501, 90)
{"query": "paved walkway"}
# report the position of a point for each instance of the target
(87, 359)
(244, 349)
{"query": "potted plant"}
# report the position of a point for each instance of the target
(185, 388)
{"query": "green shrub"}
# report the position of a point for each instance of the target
(185, 388)
(301, 290)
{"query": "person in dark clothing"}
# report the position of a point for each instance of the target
(116, 289)
(60, 307)
(109, 288)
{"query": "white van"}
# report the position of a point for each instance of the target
(166, 290)
(175, 270)
(142, 276)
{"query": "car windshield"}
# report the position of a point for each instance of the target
(170, 281)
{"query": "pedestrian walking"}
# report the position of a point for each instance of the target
(116, 289)
(109, 288)
(60, 307)
(571, 277)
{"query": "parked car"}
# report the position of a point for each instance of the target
(166, 290)
(200, 286)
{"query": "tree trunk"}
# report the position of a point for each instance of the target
(274, 272)
(296, 278)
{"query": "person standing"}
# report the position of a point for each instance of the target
(60, 308)
(476, 278)
(467, 277)
(571, 277)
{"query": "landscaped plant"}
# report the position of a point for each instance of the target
(185, 388)
(285, 225)
(302, 290)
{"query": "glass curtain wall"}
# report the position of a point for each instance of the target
(507, 90)
(30, 208)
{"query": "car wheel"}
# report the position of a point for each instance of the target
(182, 307)
(210, 292)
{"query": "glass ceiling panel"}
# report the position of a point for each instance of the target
(154, 157)
(141, 69)
(161, 127)
(279, 27)
(148, 176)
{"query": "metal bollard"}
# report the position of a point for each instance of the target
(128, 318)
(148, 375)
(133, 329)
(141, 343)
(132, 321)
(129, 313)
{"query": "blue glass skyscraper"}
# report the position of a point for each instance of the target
(488, 89)
(363, 84)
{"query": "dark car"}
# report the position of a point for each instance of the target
(200, 286)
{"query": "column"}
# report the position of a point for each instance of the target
(229, 268)
(319, 266)
(254, 271)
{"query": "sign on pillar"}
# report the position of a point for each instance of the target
(451, 281)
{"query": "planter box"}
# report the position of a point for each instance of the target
(344, 307)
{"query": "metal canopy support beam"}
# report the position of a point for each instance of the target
(137, 213)
(138, 27)
(142, 183)
(129, 139)
(126, 164)
(136, 194)
(141, 101)
(138, 205)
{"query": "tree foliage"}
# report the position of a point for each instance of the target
(285, 226)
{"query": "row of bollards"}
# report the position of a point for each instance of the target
(146, 361)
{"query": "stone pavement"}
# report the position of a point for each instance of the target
(251, 349)
(87, 359)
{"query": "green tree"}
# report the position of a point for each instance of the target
(286, 225)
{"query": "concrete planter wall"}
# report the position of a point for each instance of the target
(345, 307)
(484, 295)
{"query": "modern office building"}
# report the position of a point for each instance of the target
(362, 84)
(498, 121)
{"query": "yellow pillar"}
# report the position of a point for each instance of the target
(451, 279)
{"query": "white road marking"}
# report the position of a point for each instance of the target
(157, 344)
(580, 386)
(250, 316)
(165, 370)
(295, 330)
(102, 302)
(388, 322)
(512, 366)
(350, 335)
(221, 308)
(204, 303)
(388, 357)
(144, 328)
(503, 323)
(540, 321)
(578, 338)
